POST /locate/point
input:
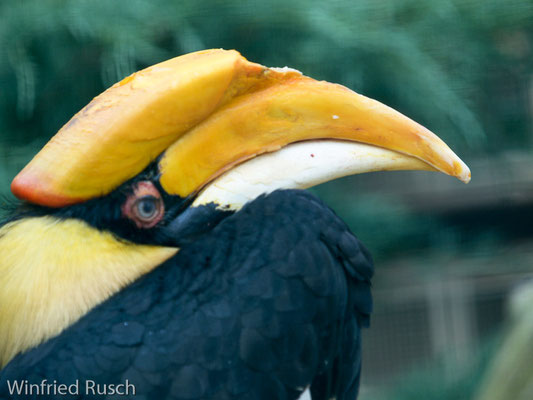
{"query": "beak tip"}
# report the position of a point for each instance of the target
(462, 172)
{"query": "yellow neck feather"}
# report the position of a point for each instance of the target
(54, 271)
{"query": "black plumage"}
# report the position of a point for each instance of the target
(268, 301)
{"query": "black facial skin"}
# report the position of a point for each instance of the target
(181, 223)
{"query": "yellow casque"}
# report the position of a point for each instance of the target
(205, 112)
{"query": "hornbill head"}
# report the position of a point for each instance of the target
(161, 157)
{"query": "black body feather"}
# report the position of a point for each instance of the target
(267, 302)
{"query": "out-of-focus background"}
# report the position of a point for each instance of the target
(449, 258)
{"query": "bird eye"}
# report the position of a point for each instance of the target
(144, 206)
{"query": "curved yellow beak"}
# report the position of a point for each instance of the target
(203, 113)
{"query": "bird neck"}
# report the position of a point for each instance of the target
(54, 271)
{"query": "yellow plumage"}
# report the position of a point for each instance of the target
(44, 288)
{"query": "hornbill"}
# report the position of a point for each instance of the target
(163, 238)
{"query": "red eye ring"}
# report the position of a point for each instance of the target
(144, 206)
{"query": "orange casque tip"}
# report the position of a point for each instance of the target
(126, 127)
